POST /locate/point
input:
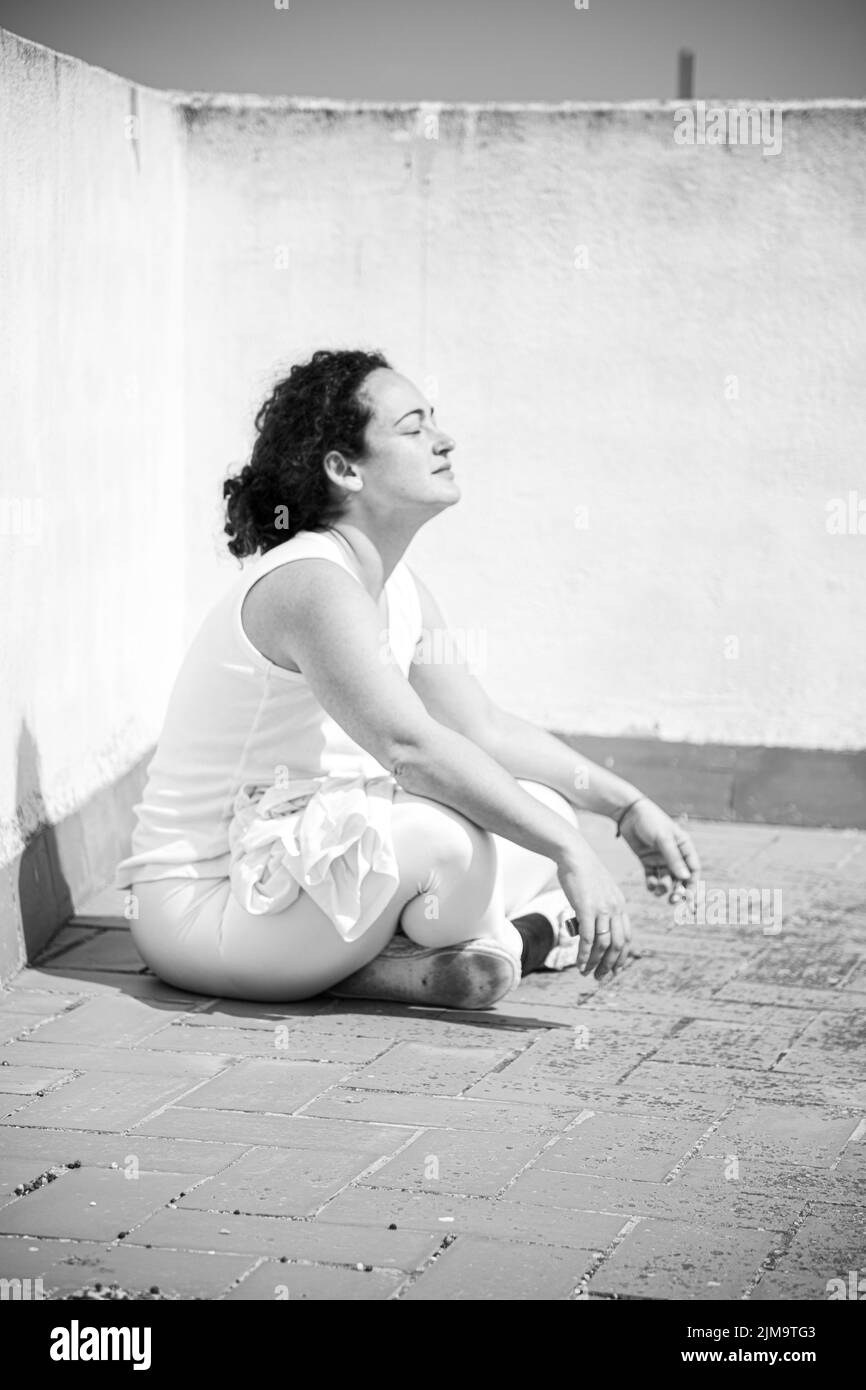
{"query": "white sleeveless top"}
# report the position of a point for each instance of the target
(254, 781)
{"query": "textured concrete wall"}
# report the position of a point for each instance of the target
(650, 355)
(91, 494)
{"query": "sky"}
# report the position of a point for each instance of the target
(463, 50)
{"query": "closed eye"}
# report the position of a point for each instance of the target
(417, 411)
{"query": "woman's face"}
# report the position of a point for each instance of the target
(406, 465)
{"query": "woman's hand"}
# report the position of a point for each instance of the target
(665, 850)
(599, 906)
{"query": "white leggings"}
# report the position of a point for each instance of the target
(193, 933)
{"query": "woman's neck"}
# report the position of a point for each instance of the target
(375, 558)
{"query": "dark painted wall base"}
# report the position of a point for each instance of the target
(713, 781)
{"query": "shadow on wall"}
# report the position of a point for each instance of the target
(44, 895)
(61, 866)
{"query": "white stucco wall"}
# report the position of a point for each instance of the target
(694, 383)
(145, 314)
(91, 467)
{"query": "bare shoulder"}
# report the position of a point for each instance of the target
(315, 618)
(295, 597)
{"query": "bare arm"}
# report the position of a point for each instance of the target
(452, 693)
(529, 751)
(323, 620)
(455, 697)
(312, 614)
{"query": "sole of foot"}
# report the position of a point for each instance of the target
(473, 975)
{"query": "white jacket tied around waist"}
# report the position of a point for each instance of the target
(252, 780)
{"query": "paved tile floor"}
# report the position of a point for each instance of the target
(693, 1130)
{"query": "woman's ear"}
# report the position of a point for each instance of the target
(340, 471)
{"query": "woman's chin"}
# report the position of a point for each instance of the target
(449, 488)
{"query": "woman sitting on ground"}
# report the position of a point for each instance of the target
(328, 809)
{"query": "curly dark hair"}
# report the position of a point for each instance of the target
(284, 488)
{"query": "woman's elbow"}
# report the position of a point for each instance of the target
(411, 755)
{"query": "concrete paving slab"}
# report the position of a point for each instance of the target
(695, 1130)
(486, 1270)
(317, 1282)
(90, 1204)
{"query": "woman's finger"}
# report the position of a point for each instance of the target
(601, 941)
(586, 928)
(602, 935)
(689, 854)
(612, 929)
(599, 950)
(610, 961)
(653, 876)
(674, 861)
(626, 936)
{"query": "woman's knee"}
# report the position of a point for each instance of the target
(448, 873)
(436, 842)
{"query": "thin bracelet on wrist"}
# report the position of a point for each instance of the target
(624, 813)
